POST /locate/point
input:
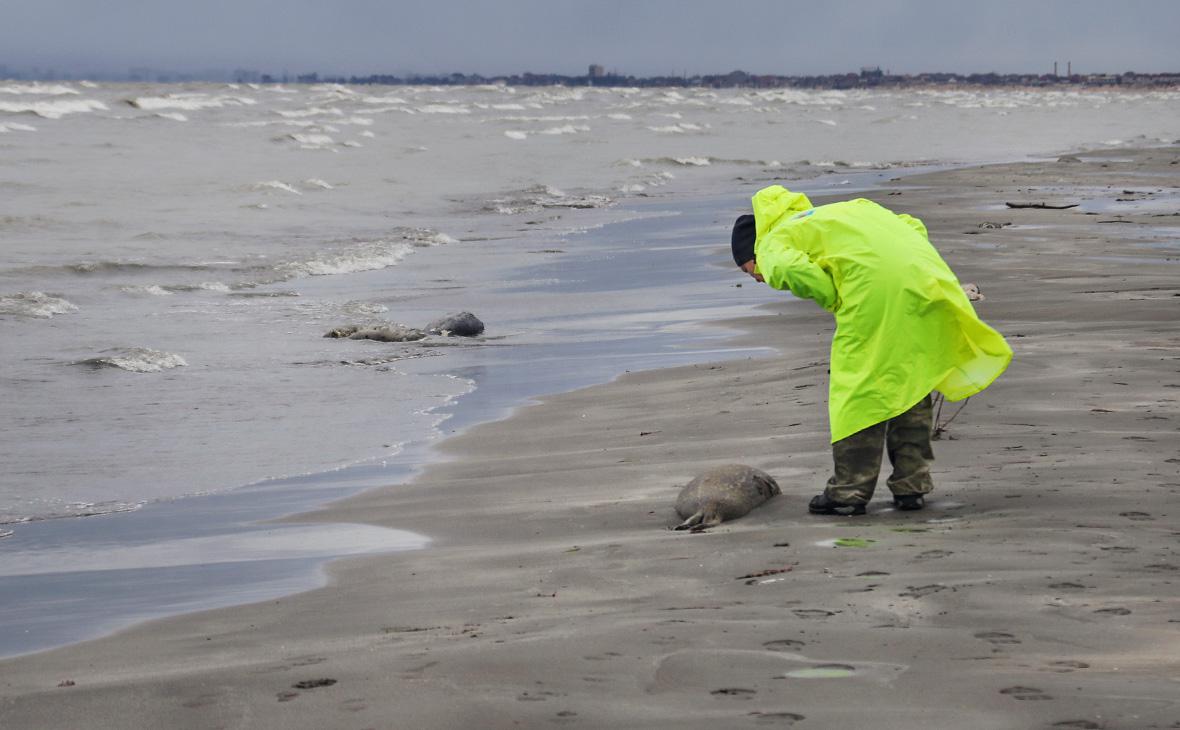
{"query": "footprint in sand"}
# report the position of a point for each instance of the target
(313, 683)
(997, 637)
(1067, 665)
(920, 591)
(1114, 611)
(812, 613)
(1066, 586)
(1025, 693)
(933, 554)
(1139, 516)
(783, 644)
(200, 701)
(738, 692)
(781, 719)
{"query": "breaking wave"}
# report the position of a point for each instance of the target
(275, 185)
(566, 129)
(107, 267)
(52, 109)
(308, 141)
(38, 89)
(136, 360)
(543, 196)
(315, 111)
(191, 102)
(154, 290)
(366, 256)
(443, 109)
(35, 304)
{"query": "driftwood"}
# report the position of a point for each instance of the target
(1042, 206)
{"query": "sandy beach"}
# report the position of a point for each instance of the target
(1039, 589)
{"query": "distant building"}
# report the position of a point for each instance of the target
(596, 71)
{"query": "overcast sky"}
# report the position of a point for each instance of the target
(641, 37)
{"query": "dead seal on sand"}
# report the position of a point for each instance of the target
(463, 324)
(723, 493)
(380, 333)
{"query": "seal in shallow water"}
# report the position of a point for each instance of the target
(723, 493)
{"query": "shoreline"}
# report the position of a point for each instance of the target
(553, 593)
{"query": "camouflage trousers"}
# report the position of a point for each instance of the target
(905, 437)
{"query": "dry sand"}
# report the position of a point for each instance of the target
(1038, 590)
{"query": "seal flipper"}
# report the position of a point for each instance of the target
(692, 521)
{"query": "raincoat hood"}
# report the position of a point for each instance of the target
(774, 203)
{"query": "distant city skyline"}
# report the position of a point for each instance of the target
(80, 38)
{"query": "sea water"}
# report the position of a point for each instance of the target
(171, 256)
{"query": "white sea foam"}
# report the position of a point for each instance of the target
(315, 111)
(356, 307)
(546, 118)
(13, 127)
(383, 100)
(174, 116)
(136, 360)
(364, 256)
(154, 290)
(515, 134)
(38, 89)
(544, 196)
(443, 109)
(317, 184)
(52, 109)
(34, 304)
(692, 161)
(566, 129)
(274, 185)
(351, 143)
(367, 133)
(620, 117)
(308, 141)
(191, 102)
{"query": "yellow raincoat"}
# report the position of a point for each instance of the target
(904, 327)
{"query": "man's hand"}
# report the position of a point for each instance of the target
(751, 268)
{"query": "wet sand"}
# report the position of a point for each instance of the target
(1038, 589)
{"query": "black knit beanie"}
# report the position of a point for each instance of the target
(742, 241)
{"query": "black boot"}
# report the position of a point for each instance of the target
(909, 502)
(821, 505)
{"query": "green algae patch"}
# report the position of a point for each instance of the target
(853, 542)
(823, 671)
